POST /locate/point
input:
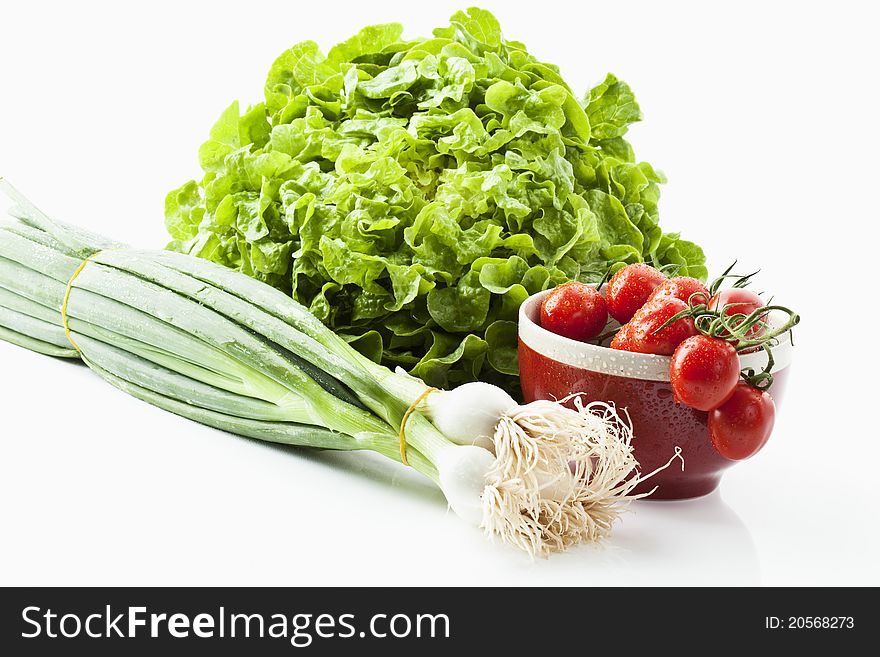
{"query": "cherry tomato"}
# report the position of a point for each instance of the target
(644, 336)
(704, 372)
(574, 310)
(681, 287)
(739, 301)
(622, 338)
(741, 425)
(629, 289)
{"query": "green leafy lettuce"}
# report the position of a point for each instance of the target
(412, 193)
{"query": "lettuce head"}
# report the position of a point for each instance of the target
(413, 192)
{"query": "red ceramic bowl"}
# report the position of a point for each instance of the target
(553, 367)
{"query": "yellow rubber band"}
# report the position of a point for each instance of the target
(67, 299)
(406, 415)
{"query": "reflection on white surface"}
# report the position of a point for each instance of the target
(377, 469)
(696, 541)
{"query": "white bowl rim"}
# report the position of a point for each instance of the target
(593, 358)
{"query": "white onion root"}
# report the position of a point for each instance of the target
(536, 446)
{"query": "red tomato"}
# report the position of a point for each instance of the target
(622, 338)
(629, 289)
(574, 310)
(681, 287)
(704, 372)
(741, 425)
(744, 302)
(644, 336)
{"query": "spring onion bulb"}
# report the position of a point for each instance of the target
(468, 414)
(223, 349)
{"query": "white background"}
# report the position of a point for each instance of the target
(763, 115)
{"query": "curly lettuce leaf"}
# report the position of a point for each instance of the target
(611, 108)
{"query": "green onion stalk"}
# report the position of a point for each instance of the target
(220, 348)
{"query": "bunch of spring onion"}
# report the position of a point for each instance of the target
(220, 348)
